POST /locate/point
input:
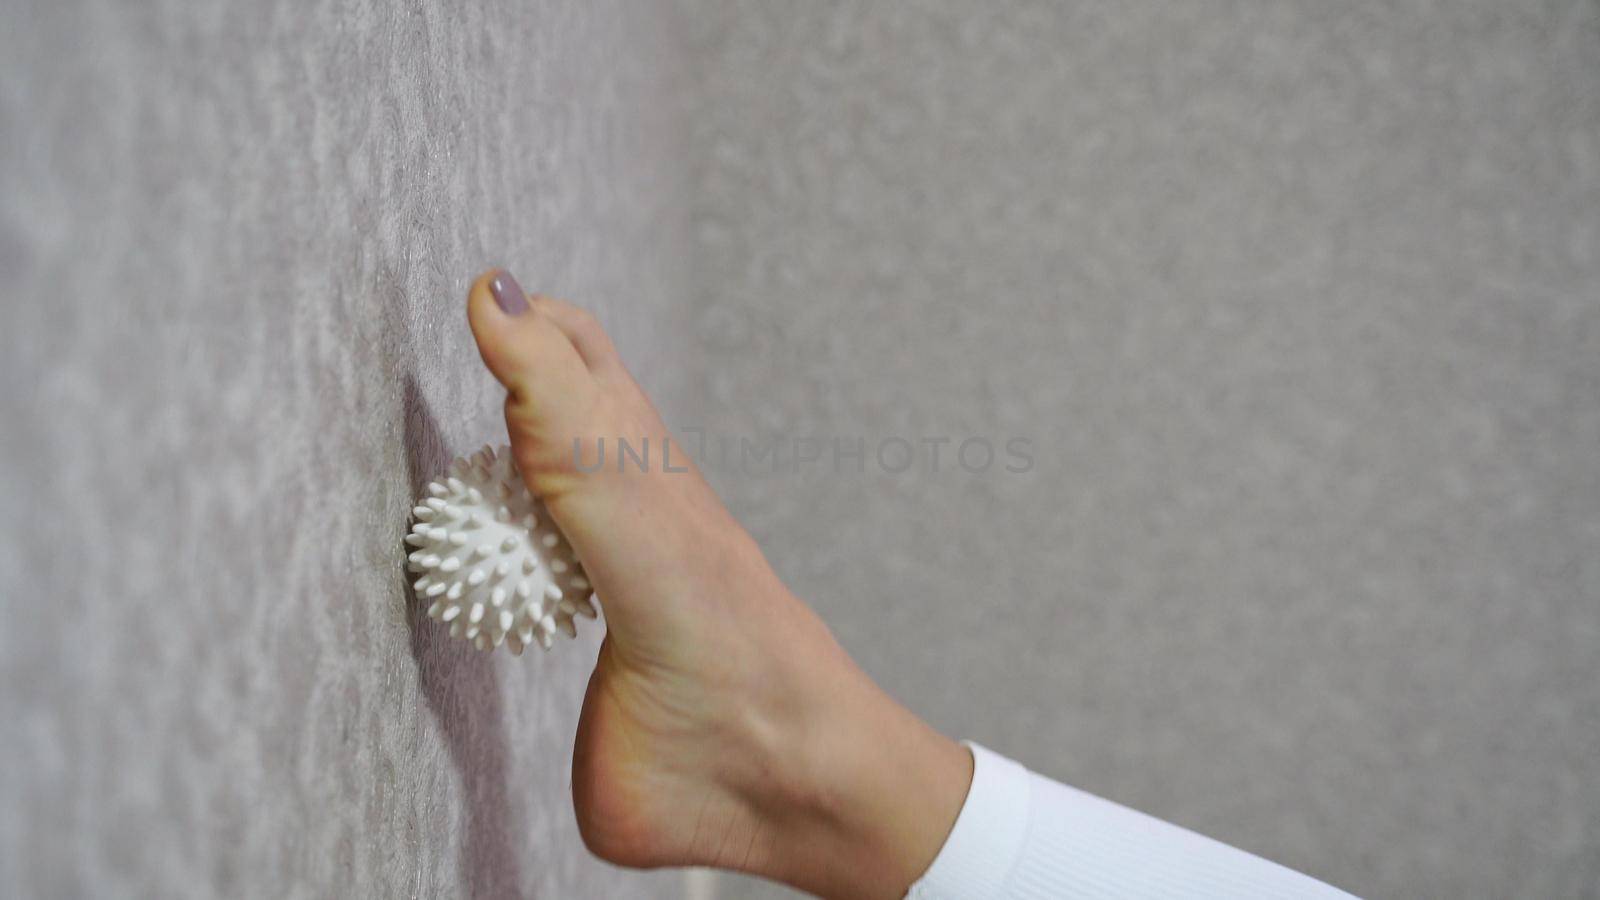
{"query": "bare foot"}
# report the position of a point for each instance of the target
(723, 725)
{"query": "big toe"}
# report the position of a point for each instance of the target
(522, 346)
(551, 392)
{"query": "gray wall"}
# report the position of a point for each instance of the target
(235, 244)
(1297, 304)
(1301, 305)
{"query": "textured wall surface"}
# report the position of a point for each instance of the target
(1301, 305)
(1297, 303)
(234, 246)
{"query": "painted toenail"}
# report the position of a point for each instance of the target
(508, 293)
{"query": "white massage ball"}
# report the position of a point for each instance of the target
(496, 569)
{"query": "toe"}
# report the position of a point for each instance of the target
(523, 348)
(551, 393)
(584, 331)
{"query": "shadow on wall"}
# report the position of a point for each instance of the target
(463, 693)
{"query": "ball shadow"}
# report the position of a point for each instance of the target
(463, 693)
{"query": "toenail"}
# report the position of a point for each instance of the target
(508, 294)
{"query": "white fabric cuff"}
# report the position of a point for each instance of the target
(1021, 836)
(988, 834)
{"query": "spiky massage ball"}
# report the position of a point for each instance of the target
(496, 568)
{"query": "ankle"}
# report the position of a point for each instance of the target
(858, 793)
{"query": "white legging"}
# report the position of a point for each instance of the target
(1022, 836)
